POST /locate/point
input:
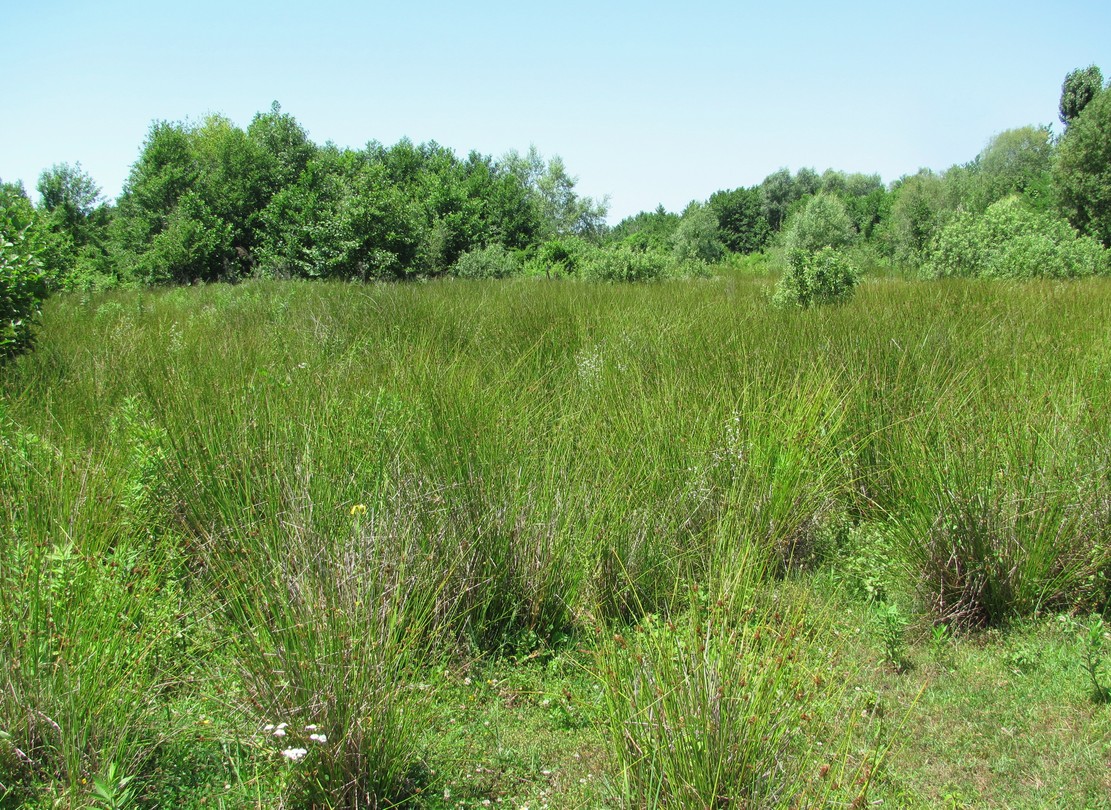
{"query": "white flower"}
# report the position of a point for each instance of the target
(320, 738)
(279, 732)
(268, 727)
(294, 754)
(313, 727)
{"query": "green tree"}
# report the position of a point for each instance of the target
(777, 192)
(742, 225)
(1082, 171)
(822, 222)
(696, 238)
(1079, 88)
(80, 218)
(1017, 161)
(72, 198)
(817, 270)
(648, 230)
(560, 209)
(918, 209)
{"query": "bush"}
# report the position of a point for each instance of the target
(825, 277)
(626, 264)
(23, 286)
(493, 261)
(1011, 241)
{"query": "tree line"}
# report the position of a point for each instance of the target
(211, 201)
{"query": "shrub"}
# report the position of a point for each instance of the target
(23, 286)
(626, 264)
(493, 261)
(825, 277)
(1012, 241)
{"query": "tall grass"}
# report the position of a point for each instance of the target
(536, 460)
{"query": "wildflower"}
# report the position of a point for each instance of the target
(312, 727)
(358, 510)
(279, 732)
(320, 738)
(294, 754)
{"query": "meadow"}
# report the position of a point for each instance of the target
(559, 544)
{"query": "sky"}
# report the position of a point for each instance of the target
(647, 103)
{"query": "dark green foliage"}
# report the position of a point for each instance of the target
(742, 224)
(341, 219)
(1079, 88)
(1082, 173)
(562, 257)
(189, 208)
(1012, 241)
(211, 201)
(80, 221)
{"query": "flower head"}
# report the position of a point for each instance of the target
(294, 754)
(358, 510)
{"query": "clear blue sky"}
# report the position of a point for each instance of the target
(646, 102)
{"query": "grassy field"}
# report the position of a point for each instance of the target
(465, 544)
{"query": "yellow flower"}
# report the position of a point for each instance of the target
(358, 509)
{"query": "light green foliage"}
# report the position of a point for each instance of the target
(1078, 89)
(1017, 161)
(1004, 521)
(623, 263)
(24, 281)
(891, 626)
(818, 271)
(542, 466)
(822, 223)
(1095, 636)
(918, 210)
(1012, 241)
(702, 707)
(551, 191)
(493, 261)
(696, 238)
(826, 277)
(1082, 172)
